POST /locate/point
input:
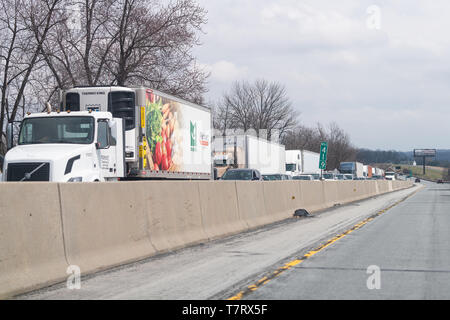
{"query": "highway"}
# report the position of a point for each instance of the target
(409, 245)
(404, 234)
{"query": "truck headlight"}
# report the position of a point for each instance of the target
(76, 179)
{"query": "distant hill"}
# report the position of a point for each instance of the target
(379, 156)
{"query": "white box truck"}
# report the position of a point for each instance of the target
(107, 133)
(249, 152)
(302, 162)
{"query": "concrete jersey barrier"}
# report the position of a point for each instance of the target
(100, 225)
(31, 237)
(313, 198)
(220, 215)
(281, 199)
(174, 214)
(105, 224)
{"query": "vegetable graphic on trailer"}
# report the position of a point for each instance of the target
(161, 123)
(323, 157)
(178, 136)
(193, 137)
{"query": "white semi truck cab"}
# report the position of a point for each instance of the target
(391, 175)
(82, 146)
(294, 162)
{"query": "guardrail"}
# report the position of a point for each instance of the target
(46, 227)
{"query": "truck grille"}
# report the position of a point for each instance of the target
(19, 171)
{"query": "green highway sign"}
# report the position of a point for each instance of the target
(323, 156)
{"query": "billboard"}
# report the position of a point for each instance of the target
(424, 152)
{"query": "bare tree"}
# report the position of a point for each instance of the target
(24, 26)
(129, 42)
(272, 109)
(154, 46)
(302, 138)
(340, 148)
(259, 106)
(235, 109)
(47, 45)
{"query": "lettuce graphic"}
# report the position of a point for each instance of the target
(153, 121)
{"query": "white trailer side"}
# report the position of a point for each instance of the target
(310, 162)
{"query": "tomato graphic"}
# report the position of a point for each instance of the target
(169, 151)
(157, 155)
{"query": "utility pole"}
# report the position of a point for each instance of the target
(424, 159)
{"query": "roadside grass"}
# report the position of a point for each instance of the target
(431, 173)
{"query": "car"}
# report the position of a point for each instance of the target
(275, 177)
(417, 180)
(348, 177)
(390, 175)
(303, 177)
(272, 177)
(440, 181)
(242, 174)
(340, 177)
(329, 176)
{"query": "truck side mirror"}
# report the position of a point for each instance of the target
(9, 136)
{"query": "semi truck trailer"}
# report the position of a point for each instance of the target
(355, 168)
(302, 162)
(368, 171)
(111, 133)
(248, 152)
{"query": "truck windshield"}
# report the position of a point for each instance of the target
(347, 167)
(75, 130)
(291, 167)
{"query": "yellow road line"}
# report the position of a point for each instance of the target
(296, 262)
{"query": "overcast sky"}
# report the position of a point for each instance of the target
(379, 69)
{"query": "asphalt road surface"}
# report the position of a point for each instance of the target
(402, 254)
(409, 243)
